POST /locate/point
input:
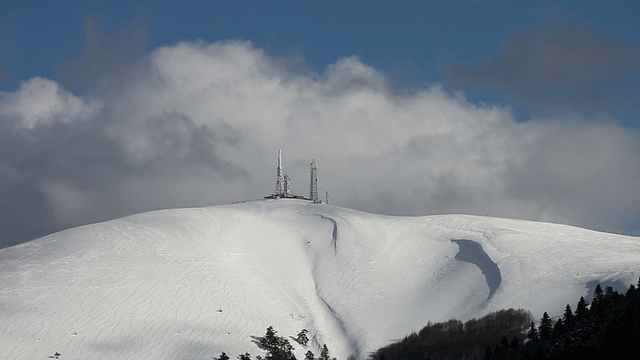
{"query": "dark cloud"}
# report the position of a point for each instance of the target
(575, 167)
(24, 214)
(560, 67)
(108, 58)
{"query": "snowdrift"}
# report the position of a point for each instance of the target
(191, 283)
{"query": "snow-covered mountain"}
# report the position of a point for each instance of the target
(191, 283)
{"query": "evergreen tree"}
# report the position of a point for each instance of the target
(277, 347)
(308, 356)
(324, 354)
(270, 339)
(302, 338)
(223, 356)
(581, 310)
(598, 294)
(558, 330)
(245, 356)
(283, 351)
(532, 335)
(630, 292)
(545, 327)
(568, 316)
(610, 292)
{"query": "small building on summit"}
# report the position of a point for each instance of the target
(283, 183)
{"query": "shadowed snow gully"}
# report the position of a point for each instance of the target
(472, 252)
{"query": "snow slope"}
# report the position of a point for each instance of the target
(191, 283)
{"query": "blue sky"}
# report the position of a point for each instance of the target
(415, 39)
(555, 83)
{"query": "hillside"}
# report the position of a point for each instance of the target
(190, 283)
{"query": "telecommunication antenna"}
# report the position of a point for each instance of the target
(279, 180)
(287, 184)
(313, 188)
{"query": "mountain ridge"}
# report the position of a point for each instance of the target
(191, 283)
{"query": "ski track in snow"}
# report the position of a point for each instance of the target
(191, 283)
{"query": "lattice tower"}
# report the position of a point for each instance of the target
(279, 174)
(313, 191)
(287, 184)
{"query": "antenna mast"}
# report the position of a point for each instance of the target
(313, 189)
(279, 180)
(287, 185)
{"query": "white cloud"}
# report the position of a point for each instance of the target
(202, 122)
(42, 101)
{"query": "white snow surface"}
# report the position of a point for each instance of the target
(191, 283)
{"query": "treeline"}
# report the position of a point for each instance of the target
(608, 328)
(456, 340)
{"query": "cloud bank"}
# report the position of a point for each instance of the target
(199, 124)
(560, 67)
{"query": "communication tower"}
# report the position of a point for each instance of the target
(279, 174)
(313, 188)
(287, 185)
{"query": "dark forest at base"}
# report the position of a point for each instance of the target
(608, 328)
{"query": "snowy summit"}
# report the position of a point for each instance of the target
(192, 283)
